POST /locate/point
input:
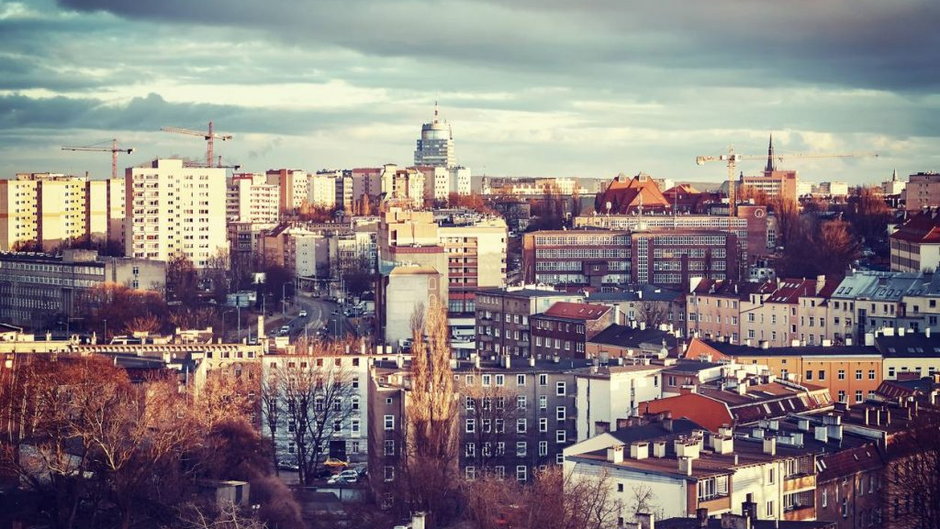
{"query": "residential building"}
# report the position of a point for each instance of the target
(619, 343)
(476, 258)
(772, 312)
(435, 147)
(908, 354)
(252, 199)
(406, 290)
(176, 210)
(647, 304)
(303, 252)
(602, 393)
(502, 317)
(42, 291)
(713, 309)
(565, 328)
(915, 246)
(321, 190)
(922, 191)
(104, 210)
(292, 188)
(339, 399)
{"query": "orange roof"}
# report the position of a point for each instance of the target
(697, 350)
(576, 311)
(627, 195)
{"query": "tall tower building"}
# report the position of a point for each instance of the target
(436, 146)
(175, 210)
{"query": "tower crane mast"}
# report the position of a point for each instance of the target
(209, 136)
(113, 149)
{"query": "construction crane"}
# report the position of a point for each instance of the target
(732, 158)
(113, 149)
(209, 136)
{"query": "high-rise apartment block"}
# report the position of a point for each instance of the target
(293, 188)
(175, 210)
(53, 209)
(922, 191)
(321, 190)
(252, 199)
(436, 146)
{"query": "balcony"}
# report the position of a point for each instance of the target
(799, 482)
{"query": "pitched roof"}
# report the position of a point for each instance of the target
(576, 311)
(626, 336)
(923, 228)
(626, 195)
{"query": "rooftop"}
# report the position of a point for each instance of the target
(576, 311)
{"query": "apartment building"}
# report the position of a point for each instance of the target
(250, 198)
(710, 474)
(633, 341)
(176, 210)
(608, 393)
(713, 309)
(915, 246)
(41, 291)
(476, 258)
(565, 328)
(338, 389)
(773, 313)
(514, 417)
(321, 190)
(292, 188)
(502, 317)
(922, 191)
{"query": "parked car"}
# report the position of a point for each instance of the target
(346, 476)
(303, 314)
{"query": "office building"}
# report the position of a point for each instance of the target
(435, 148)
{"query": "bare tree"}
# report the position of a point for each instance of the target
(304, 399)
(430, 451)
(913, 475)
(653, 313)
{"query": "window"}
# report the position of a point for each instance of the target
(619, 487)
(521, 473)
(560, 389)
(337, 425)
(560, 412)
(841, 395)
(485, 425)
(560, 436)
(389, 422)
(521, 449)
(712, 488)
(468, 403)
(354, 426)
(471, 426)
(842, 374)
(500, 425)
(389, 473)
(543, 402)
(809, 374)
(470, 450)
(499, 471)
(543, 448)
(354, 403)
(486, 379)
(858, 374)
(821, 374)
(389, 447)
(771, 475)
(858, 396)
(500, 380)
(871, 374)
(543, 380)
(520, 425)
(770, 509)
(500, 448)
(543, 424)
(520, 402)
(824, 498)
(470, 473)
(520, 380)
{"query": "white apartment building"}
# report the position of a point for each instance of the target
(251, 198)
(476, 258)
(321, 190)
(460, 181)
(606, 394)
(292, 184)
(175, 210)
(341, 400)
(105, 203)
(18, 213)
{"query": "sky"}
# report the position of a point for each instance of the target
(530, 87)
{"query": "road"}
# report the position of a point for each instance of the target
(324, 318)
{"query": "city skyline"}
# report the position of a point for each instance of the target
(539, 89)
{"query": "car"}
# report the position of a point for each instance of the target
(285, 329)
(346, 476)
(302, 314)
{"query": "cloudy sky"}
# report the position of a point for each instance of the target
(531, 87)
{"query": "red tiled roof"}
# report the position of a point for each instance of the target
(576, 311)
(922, 228)
(625, 195)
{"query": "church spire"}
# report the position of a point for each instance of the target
(771, 166)
(894, 177)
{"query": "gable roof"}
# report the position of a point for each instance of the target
(626, 195)
(923, 228)
(576, 311)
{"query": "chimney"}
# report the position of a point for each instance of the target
(476, 361)
(685, 466)
(642, 325)
(770, 446)
(821, 433)
(507, 361)
(848, 341)
(645, 520)
(835, 432)
(260, 326)
(531, 361)
(742, 387)
(869, 339)
(701, 515)
(803, 425)
(417, 520)
(615, 454)
(639, 450)
(659, 449)
(867, 416)
(757, 433)
(820, 283)
(827, 342)
(877, 416)
(686, 447)
(901, 331)
(722, 444)
(927, 332)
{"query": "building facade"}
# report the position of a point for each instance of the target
(502, 318)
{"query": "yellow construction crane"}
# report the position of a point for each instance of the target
(732, 158)
(209, 136)
(113, 149)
